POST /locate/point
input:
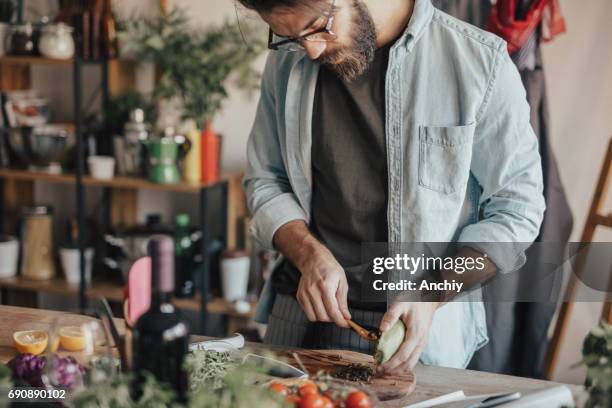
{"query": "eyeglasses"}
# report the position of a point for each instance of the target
(324, 34)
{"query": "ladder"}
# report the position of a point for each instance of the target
(595, 219)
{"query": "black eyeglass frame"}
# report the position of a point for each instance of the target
(327, 29)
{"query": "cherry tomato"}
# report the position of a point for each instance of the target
(358, 399)
(327, 403)
(307, 389)
(279, 388)
(313, 401)
(293, 400)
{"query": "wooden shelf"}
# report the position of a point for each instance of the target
(33, 60)
(116, 182)
(39, 60)
(114, 293)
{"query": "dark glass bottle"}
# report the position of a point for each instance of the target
(161, 335)
(184, 257)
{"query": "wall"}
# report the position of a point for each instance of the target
(579, 73)
(578, 66)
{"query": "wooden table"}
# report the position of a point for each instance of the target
(431, 381)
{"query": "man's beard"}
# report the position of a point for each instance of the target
(348, 62)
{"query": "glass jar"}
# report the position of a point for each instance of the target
(37, 243)
(20, 40)
(56, 41)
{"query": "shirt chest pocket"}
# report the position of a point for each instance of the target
(445, 154)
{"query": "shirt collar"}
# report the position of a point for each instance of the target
(421, 17)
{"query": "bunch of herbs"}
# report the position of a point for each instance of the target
(216, 381)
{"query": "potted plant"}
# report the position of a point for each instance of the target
(196, 66)
(7, 10)
(597, 357)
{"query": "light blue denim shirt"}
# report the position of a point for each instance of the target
(463, 160)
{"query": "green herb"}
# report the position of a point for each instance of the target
(216, 381)
(237, 392)
(208, 368)
(597, 356)
(6, 383)
(116, 394)
(5, 376)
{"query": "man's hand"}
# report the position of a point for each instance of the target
(323, 288)
(417, 317)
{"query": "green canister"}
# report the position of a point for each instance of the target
(164, 154)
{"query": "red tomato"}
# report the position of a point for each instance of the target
(279, 388)
(358, 399)
(313, 401)
(307, 389)
(327, 403)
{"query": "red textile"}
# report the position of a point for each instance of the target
(502, 22)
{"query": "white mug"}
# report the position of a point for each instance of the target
(235, 275)
(70, 260)
(9, 253)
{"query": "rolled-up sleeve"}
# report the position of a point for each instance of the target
(270, 198)
(507, 164)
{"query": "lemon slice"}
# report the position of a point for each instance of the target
(31, 341)
(72, 338)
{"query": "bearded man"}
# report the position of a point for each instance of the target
(384, 121)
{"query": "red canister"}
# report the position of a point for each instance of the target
(210, 154)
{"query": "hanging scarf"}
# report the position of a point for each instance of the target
(503, 22)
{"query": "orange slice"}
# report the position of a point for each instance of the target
(72, 338)
(30, 341)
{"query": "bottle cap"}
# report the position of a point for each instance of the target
(182, 220)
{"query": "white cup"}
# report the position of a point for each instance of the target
(70, 260)
(101, 167)
(9, 253)
(235, 277)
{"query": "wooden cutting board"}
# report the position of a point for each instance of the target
(387, 388)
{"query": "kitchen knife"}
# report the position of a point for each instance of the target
(273, 367)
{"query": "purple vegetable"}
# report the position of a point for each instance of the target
(67, 372)
(29, 368)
